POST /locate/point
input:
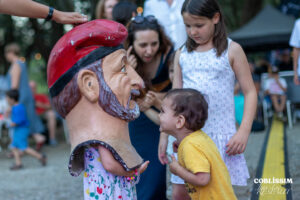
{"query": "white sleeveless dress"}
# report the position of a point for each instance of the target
(214, 78)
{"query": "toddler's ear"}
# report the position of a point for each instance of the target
(180, 122)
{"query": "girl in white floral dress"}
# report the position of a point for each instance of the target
(210, 63)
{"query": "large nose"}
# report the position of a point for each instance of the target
(136, 81)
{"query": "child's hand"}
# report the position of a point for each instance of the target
(143, 167)
(237, 144)
(143, 106)
(174, 165)
(150, 98)
(157, 98)
(146, 102)
(162, 148)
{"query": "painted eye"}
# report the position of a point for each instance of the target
(123, 69)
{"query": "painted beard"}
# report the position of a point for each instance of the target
(108, 100)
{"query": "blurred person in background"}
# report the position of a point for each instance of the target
(124, 11)
(20, 130)
(44, 110)
(18, 79)
(168, 13)
(276, 87)
(104, 9)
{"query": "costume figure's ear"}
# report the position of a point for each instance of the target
(88, 85)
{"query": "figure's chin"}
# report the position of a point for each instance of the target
(135, 110)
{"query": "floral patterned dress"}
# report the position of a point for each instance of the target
(102, 185)
(214, 78)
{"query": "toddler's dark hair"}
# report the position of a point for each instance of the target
(13, 94)
(191, 104)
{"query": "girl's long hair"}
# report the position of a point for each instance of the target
(207, 8)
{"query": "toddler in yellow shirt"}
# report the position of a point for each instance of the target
(183, 114)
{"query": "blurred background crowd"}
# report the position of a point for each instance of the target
(262, 30)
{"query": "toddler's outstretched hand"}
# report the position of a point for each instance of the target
(237, 144)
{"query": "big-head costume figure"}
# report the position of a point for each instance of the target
(91, 86)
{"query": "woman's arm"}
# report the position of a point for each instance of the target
(15, 74)
(177, 82)
(241, 68)
(32, 9)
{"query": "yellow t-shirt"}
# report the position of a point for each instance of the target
(198, 153)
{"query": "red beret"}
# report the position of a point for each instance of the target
(73, 50)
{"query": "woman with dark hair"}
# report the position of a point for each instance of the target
(150, 53)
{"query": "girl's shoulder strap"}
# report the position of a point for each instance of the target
(228, 46)
(182, 48)
(229, 40)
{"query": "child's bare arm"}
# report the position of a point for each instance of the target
(198, 179)
(162, 148)
(241, 68)
(152, 115)
(177, 82)
(111, 165)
